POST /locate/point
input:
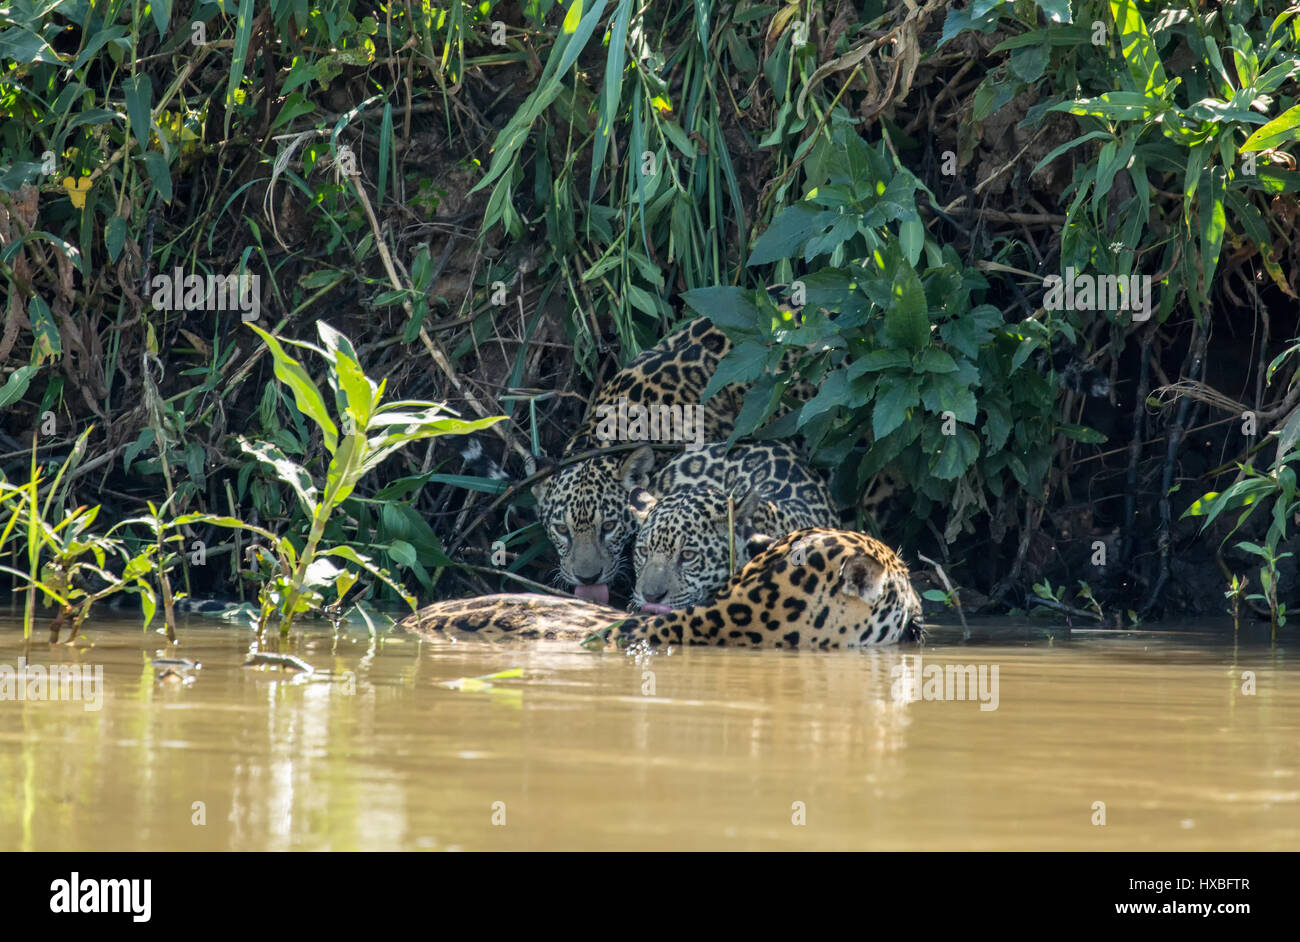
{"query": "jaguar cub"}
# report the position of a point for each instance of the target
(686, 540)
(584, 505)
(815, 588)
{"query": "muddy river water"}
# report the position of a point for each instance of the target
(1176, 740)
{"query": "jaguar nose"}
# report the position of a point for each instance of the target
(587, 578)
(650, 595)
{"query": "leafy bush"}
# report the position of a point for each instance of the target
(915, 376)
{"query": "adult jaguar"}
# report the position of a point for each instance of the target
(687, 533)
(816, 588)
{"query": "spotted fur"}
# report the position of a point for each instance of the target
(685, 542)
(584, 507)
(814, 588)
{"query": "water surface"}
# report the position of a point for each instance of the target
(1188, 739)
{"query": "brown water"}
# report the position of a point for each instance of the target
(702, 749)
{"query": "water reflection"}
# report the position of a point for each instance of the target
(1184, 744)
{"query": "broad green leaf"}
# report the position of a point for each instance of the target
(876, 360)
(894, 396)
(791, 228)
(155, 164)
(743, 364)
(833, 392)
(290, 472)
(934, 360)
(956, 455)
(727, 307)
(305, 394)
(345, 470)
(907, 321)
(355, 395)
(1281, 130)
(945, 392)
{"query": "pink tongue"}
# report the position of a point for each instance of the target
(654, 608)
(593, 593)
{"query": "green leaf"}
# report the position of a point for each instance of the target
(1138, 49)
(114, 236)
(946, 392)
(156, 165)
(833, 392)
(791, 228)
(139, 95)
(290, 472)
(1028, 63)
(911, 238)
(239, 57)
(934, 360)
(1281, 130)
(674, 133)
(352, 556)
(611, 93)
(727, 307)
(305, 394)
(1213, 223)
(345, 470)
(1116, 106)
(1058, 151)
(907, 320)
(745, 361)
(876, 360)
(758, 405)
(46, 344)
(956, 455)
(100, 38)
(16, 385)
(143, 440)
(403, 552)
(356, 395)
(26, 47)
(162, 14)
(1081, 433)
(895, 395)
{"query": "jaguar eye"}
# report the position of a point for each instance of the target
(688, 556)
(608, 526)
(561, 529)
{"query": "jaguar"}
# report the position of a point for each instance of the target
(584, 504)
(702, 508)
(815, 588)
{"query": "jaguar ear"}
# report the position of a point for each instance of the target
(641, 502)
(636, 467)
(863, 577)
(746, 508)
(534, 465)
(757, 543)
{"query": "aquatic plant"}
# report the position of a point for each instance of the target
(1276, 489)
(65, 558)
(367, 431)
